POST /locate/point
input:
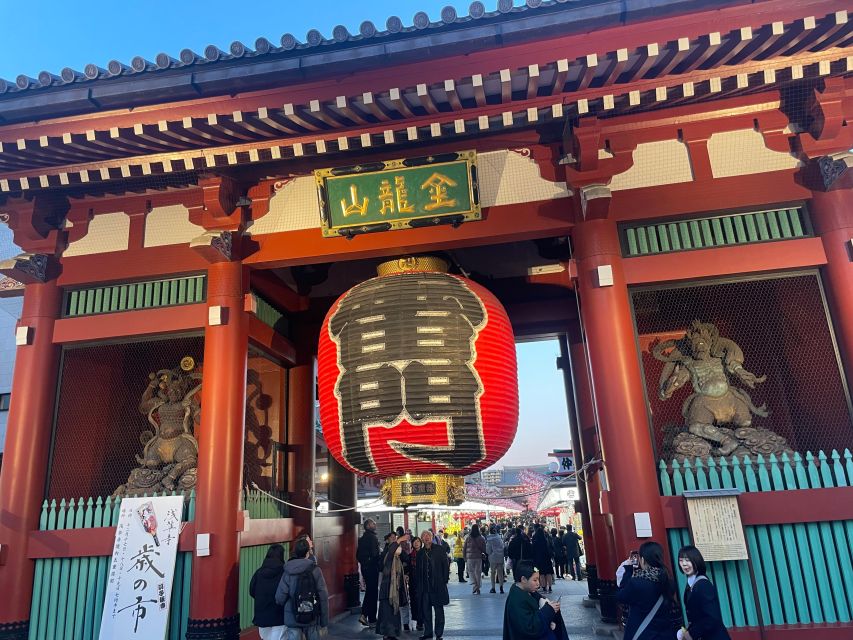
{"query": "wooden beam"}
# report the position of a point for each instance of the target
(123, 324)
(725, 261)
(544, 219)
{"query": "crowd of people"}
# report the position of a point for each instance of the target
(406, 578)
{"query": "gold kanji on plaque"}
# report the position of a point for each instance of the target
(354, 207)
(437, 185)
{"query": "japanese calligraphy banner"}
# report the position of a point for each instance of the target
(397, 194)
(142, 569)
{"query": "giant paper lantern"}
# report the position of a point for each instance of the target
(417, 380)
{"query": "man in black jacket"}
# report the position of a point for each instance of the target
(367, 555)
(572, 541)
(433, 573)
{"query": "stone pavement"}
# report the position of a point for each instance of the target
(470, 617)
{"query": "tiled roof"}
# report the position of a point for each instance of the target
(289, 44)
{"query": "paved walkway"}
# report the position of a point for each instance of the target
(471, 617)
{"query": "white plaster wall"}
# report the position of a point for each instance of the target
(107, 232)
(170, 225)
(507, 177)
(656, 163)
(294, 206)
(742, 152)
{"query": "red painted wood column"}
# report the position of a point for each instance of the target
(604, 558)
(301, 437)
(27, 448)
(832, 216)
(213, 602)
(629, 485)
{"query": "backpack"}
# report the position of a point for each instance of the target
(306, 600)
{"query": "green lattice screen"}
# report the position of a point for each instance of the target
(716, 231)
(150, 294)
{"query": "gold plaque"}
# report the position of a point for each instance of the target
(187, 363)
(430, 488)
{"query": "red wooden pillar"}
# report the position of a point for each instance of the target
(301, 437)
(28, 432)
(604, 560)
(832, 215)
(629, 484)
(215, 577)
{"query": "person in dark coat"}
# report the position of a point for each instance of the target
(367, 555)
(644, 586)
(392, 591)
(411, 568)
(542, 557)
(433, 573)
(559, 554)
(269, 615)
(705, 620)
(572, 542)
(526, 617)
(518, 548)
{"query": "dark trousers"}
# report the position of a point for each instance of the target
(460, 568)
(560, 566)
(427, 608)
(575, 568)
(371, 593)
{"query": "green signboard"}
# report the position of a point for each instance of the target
(399, 194)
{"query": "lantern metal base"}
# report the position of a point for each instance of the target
(427, 488)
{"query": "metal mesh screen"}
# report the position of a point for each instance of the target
(265, 418)
(98, 420)
(781, 328)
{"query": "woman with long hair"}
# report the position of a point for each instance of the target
(705, 620)
(269, 616)
(475, 547)
(646, 587)
(392, 593)
(411, 569)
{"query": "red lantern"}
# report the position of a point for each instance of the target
(417, 374)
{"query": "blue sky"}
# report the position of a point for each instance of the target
(42, 35)
(543, 423)
(47, 35)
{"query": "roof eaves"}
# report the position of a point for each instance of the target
(242, 69)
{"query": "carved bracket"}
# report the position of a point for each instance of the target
(26, 268)
(215, 246)
(36, 223)
(593, 159)
(217, 204)
(832, 168)
(824, 130)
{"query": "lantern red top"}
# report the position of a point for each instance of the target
(417, 374)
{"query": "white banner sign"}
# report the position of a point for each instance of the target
(142, 569)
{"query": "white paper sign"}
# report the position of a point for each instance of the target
(716, 527)
(142, 569)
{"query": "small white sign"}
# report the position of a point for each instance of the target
(142, 569)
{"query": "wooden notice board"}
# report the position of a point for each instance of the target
(715, 524)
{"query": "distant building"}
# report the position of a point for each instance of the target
(492, 477)
(11, 302)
